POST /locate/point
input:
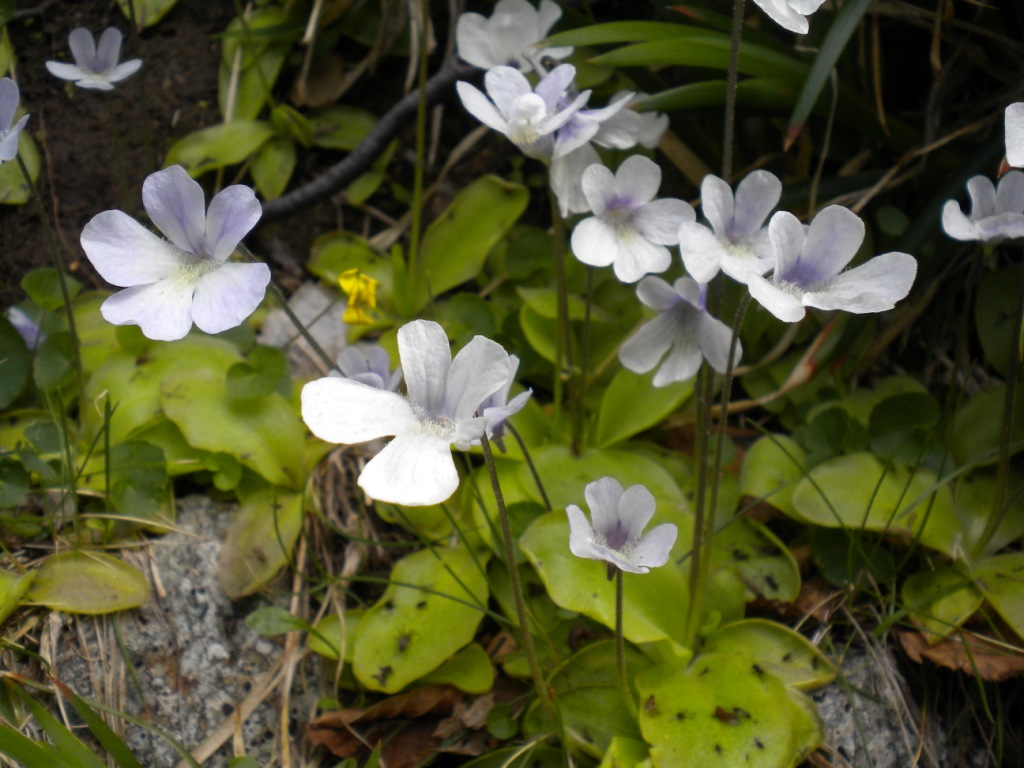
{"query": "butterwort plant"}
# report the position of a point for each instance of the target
(188, 278)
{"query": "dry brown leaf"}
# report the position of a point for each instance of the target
(989, 661)
(324, 84)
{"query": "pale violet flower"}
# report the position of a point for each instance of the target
(643, 128)
(737, 242)
(629, 229)
(444, 395)
(1014, 126)
(26, 327)
(512, 31)
(368, 364)
(528, 117)
(95, 65)
(791, 14)
(170, 285)
(9, 130)
(996, 213)
(809, 267)
(616, 534)
(497, 408)
(683, 328)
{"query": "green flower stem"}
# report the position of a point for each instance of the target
(581, 394)
(620, 642)
(730, 89)
(299, 325)
(58, 264)
(529, 463)
(702, 519)
(526, 636)
(421, 146)
(998, 512)
(115, 137)
(147, 138)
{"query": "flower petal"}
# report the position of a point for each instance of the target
(956, 224)
(345, 411)
(659, 220)
(785, 306)
(124, 252)
(64, 71)
(787, 237)
(983, 197)
(426, 356)
(9, 140)
(638, 257)
(637, 181)
(163, 310)
(108, 50)
(9, 99)
(716, 201)
(566, 173)
(1010, 193)
(233, 212)
(580, 533)
(124, 70)
(413, 469)
(657, 294)
(473, 42)
(83, 48)
(594, 242)
(756, 196)
(714, 338)
(598, 185)
(554, 86)
(684, 359)
(645, 348)
(227, 295)
(1014, 125)
(504, 85)
(176, 204)
(654, 548)
(603, 501)
(480, 369)
(832, 241)
(636, 508)
(872, 287)
(480, 107)
(701, 250)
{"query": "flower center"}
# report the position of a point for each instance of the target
(192, 266)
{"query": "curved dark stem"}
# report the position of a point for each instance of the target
(529, 463)
(340, 175)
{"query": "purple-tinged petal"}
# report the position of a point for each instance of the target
(505, 85)
(124, 70)
(659, 220)
(635, 510)
(1014, 125)
(108, 50)
(654, 548)
(125, 253)
(554, 86)
(594, 242)
(233, 212)
(9, 140)
(176, 204)
(65, 71)
(344, 411)
(227, 295)
(756, 196)
(9, 100)
(1010, 193)
(83, 48)
(835, 235)
(566, 173)
(657, 294)
(684, 359)
(603, 501)
(637, 181)
(480, 369)
(620, 131)
(875, 286)
(787, 237)
(581, 535)
(1003, 226)
(163, 310)
(714, 338)
(413, 469)
(642, 351)
(426, 357)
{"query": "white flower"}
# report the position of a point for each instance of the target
(643, 128)
(170, 285)
(791, 14)
(512, 31)
(9, 100)
(809, 263)
(497, 408)
(416, 468)
(27, 328)
(629, 229)
(95, 66)
(566, 179)
(616, 536)
(683, 326)
(739, 244)
(368, 364)
(1014, 125)
(527, 117)
(996, 214)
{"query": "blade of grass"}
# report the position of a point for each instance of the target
(104, 735)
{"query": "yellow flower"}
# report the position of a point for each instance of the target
(361, 292)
